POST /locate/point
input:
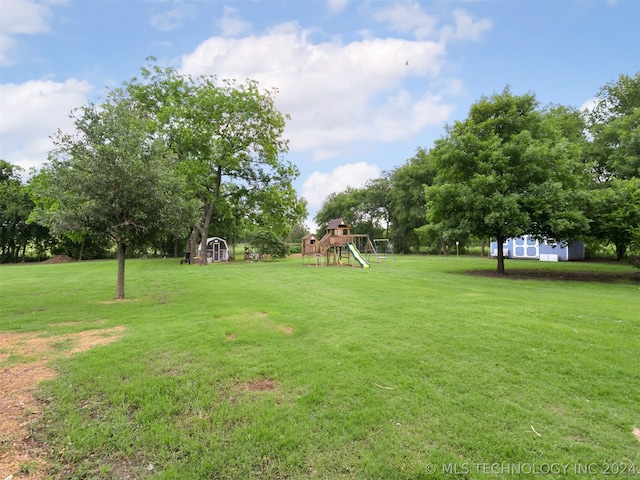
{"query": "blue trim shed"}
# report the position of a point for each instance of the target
(527, 247)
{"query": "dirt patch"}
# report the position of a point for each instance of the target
(79, 322)
(260, 385)
(27, 356)
(115, 301)
(59, 259)
(288, 330)
(557, 275)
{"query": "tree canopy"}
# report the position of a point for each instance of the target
(407, 202)
(365, 209)
(510, 168)
(112, 176)
(15, 208)
(228, 141)
(506, 171)
(614, 124)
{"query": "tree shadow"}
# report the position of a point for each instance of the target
(558, 275)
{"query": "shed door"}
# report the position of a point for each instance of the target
(525, 247)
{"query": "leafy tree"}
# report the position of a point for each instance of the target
(364, 209)
(506, 171)
(343, 204)
(228, 139)
(375, 204)
(267, 242)
(15, 207)
(615, 213)
(297, 232)
(112, 177)
(407, 202)
(82, 247)
(614, 123)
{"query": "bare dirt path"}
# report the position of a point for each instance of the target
(27, 357)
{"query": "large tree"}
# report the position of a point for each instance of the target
(506, 171)
(228, 138)
(615, 213)
(614, 125)
(407, 203)
(112, 176)
(344, 204)
(364, 209)
(15, 207)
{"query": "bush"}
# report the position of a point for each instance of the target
(294, 248)
(267, 243)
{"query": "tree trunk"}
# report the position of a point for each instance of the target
(621, 251)
(203, 242)
(208, 216)
(81, 250)
(483, 245)
(192, 243)
(12, 250)
(122, 248)
(205, 232)
(500, 242)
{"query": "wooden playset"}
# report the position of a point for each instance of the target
(339, 246)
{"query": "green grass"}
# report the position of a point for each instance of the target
(395, 372)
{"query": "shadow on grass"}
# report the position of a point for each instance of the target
(556, 275)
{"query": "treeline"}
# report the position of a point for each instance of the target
(513, 168)
(167, 160)
(23, 239)
(163, 161)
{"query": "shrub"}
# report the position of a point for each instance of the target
(267, 243)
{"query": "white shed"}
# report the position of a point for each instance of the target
(217, 250)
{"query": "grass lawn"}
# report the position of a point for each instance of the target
(411, 369)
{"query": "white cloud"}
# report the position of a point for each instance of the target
(22, 17)
(319, 184)
(589, 105)
(337, 6)
(25, 17)
(33, 111)
(466, 28)
(173, 18)
(7, 47)
(409, 18)
(230, 25)
(335, 92)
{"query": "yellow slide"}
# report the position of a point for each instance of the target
(357, 255)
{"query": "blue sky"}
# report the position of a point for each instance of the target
(357, 109)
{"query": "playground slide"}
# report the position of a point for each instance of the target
(357, 255)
